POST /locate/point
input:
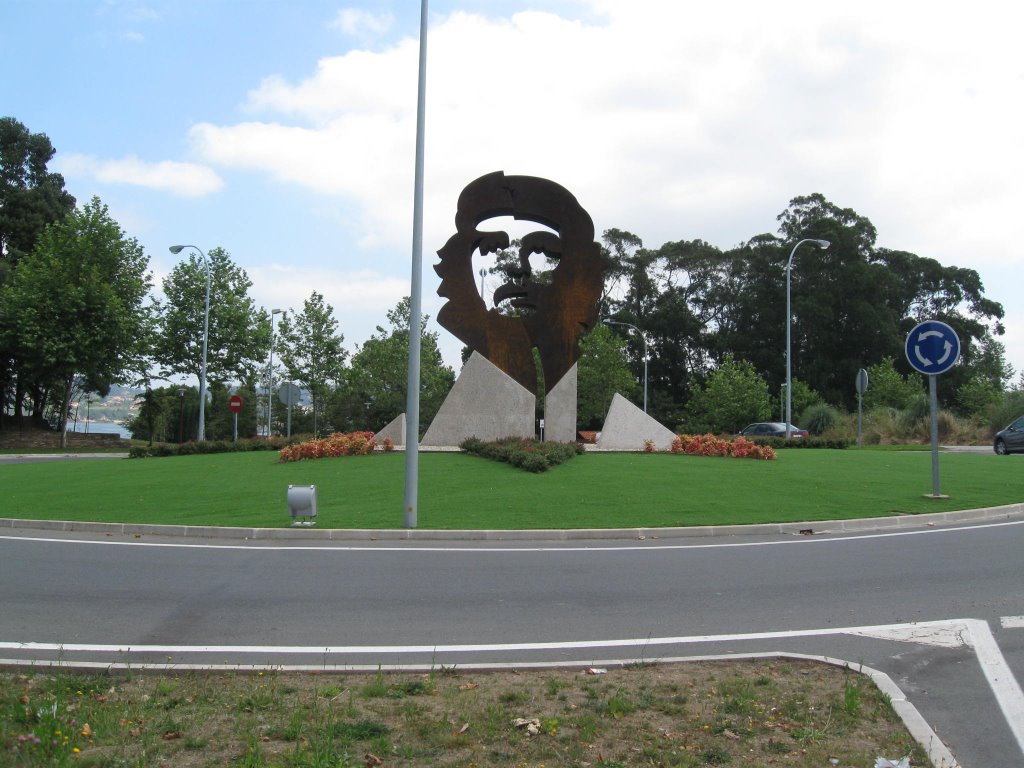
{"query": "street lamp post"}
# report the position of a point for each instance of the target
(181, 415)
(270, 375)
(644, 340)
(201, 431)
(823, 244)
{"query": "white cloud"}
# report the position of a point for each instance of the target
(357, 22)
(671, 120)
(183, 179)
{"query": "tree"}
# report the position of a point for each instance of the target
(603, 370)
(239, 334)
(888, 388)
(733, 396)
(310, 349)
(74, 307)
(30, 198)
(378, 377)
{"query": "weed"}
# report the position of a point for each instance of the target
(773, 747)
(619, 706)
(376, 688)
(514, 697)
(716, 756)
(853, 698)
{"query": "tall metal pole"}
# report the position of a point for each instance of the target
(201, 431)
(823, 244)
(933, 404)
(412, 407)
(270, 376)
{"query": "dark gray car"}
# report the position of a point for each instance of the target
(1011, 439)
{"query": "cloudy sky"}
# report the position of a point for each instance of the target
(284, 132)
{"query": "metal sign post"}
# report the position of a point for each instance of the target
(288, 393)
(235, 405)
(932, 348)
(862, 385)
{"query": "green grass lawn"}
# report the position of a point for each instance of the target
(460, 491)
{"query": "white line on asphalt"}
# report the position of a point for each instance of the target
(1004, 685)
(658, 547)
(1012, 622)
(469, 648)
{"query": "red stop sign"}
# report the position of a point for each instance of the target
(235, 403)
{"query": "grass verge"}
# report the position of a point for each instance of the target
(459, 491)
(785, 712)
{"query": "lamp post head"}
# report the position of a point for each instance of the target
(276, 312)
(176, 248)
(823, 244)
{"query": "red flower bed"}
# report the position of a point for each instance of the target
(338, 444)
(709, 445)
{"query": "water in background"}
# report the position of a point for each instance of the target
(102, 427)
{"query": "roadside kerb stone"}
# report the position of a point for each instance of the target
(817, 527)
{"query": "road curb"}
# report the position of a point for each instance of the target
(809, 528)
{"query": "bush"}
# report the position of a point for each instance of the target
(337, 444)
(1009, 407)
(210, 446)
(820, 418)
(807, 442)
(526, 454)
(709, 445)
(910, 417)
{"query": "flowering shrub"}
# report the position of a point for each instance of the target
(649, 446)
(338, 444)
(709, 445)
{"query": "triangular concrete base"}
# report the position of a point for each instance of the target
(560, 409)
(486, 403)
(627, 428)
(395, 431)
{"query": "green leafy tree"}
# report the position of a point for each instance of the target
(31, 197)
(888, 388)
(603, 370)
(239, 333)
(977, 396)
(803, 398)
(221, 421)
(76, 307)
(310, 349)
(378, 377)
(733, 396)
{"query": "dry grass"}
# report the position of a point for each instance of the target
(772, 712)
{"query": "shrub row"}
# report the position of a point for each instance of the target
(804, 442)
(210, 446)
(531, 455)
(709, 445)
(337, 444)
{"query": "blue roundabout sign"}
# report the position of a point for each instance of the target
(932, 347)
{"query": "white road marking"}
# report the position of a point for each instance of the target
(638, 642)
(1004, 685)
(1012, 622)
(482, 548)
(942, 635)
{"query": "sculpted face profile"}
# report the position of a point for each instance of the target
(559, 311)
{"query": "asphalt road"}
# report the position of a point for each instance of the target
(939, 610)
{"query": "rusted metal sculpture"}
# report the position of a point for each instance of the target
(556, 313)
